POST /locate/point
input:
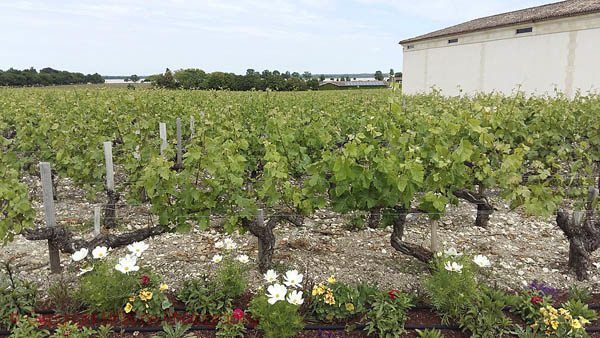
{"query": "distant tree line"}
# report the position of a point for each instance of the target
(252, 80)
(45, 77)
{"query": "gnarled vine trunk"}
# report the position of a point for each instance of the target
(484, 207)
(374, 217)
(419, 252)
(64, 241)
(582, 229)
(110, 209)
(266, 238)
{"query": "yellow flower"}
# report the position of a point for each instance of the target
(132, 298)
(331, 279)
(563, 311)
(147, 306)
(534, 325)
(128, 308)
(145, 295)
(554, 324)
(349, 306)
(568, 317)
(543, 312)
(163, 287)
(583, 321)
(576, 324)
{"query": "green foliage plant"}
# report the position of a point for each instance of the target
(231, 325)
(174, 331)
(338, 300)
(527, 304)
(451, 292)
(17, 297)
(204, 297)
(279, 320)
(387, 314)
(70, 329)
(430, 333)
(581, 294)
(28, 327)
(485, 317)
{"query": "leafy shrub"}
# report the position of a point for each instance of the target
(580, 294)
(388, 314)
(527, 304)
(485, 318)
(202, 297)
(27, 327)
(63, 299)
(578, 309)
(232, 325)
(430, 333)
(451, 292)
(150, 302)
(104, 331)
(17, 297)
(561, 323)
(279, 320)
(338, 300)
(72, 330)
(230, 276)
(106, 289)
(174, 331)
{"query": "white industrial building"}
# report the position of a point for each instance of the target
(538, 50)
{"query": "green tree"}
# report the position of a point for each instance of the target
(322, 77)
(378, 75)
(134, 78)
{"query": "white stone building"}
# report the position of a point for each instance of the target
(536, 50)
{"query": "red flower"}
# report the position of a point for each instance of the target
(535, 300)
(393, 293)
(238, 314)
(145, 280)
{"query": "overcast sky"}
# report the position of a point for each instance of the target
(122, 37)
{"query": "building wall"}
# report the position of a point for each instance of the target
(560, 54)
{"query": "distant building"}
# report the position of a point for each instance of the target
(534, 50)
(352, 85)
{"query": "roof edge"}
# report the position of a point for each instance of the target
(417, 39)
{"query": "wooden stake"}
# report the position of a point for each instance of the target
(108, 160)
(48, 198)
(97, 211)
(162, 128)
(179, 144)
(191, 126)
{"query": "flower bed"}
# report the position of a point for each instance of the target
(127, 294)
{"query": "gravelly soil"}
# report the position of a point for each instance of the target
(520, 248)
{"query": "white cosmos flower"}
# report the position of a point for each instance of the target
(293, 279)
(276, 292)
(86, 269)
(454, 267)
(79, 255)
(219, 245)
(243, 259)
(230, 246)
(270, 276)
(295, 298)
(137, 248)
(228, 241)
(452, 252)
(127, 264)
(99, 252)
(482, 261)
(217, 258)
